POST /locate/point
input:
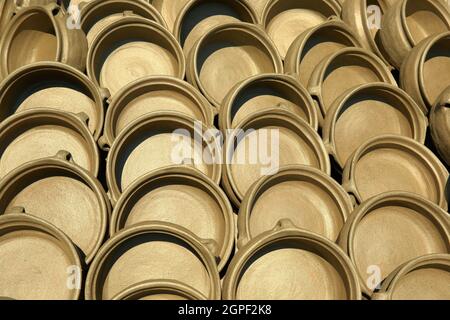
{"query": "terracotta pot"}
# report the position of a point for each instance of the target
(423, 278)
(49, 187)
(53, 85)
(153, 251)
(308, 197)
(160, 290)
(395, 163)
(156, 141)
(154, 94)
(40, 33)
(212, 64)
(264, 92)
(289, 263)
(369, 111)
(36, 259)
(263, 143)
(344, 70)
(407, 23)
(423, 74)
(364, 17)
(440, 125)
(285, 20)
(316, 44)
(378, 236)
(169, 9)
(199, 16)
(182, 196)
(114, 60)
(41, 133)
(98, 15)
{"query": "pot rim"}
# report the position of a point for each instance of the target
(440, 173)
(130, 90)
(134, 127)
(69, 118)
(61, 162)
(445, 17)
(132, 21)
(427, 207)
(291, 119)
(98, 95)
(416, 117)
(320, 72)
(390, 283)
(225, 110)
(428, 45)
(22, 16)
(178, 232)
(188, 174)
(23, 220)
(192, 3)
(172, 286)
(285, 231)
(256, 32)
(301, 172)
(332, 4)
(91, 7)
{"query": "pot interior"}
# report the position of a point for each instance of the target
(34, 40)
(265, 94)
(120, 59)
(286, 20)
(291, 270)
(217, 66)
(436, 77)
(423, 19)
(367, 114)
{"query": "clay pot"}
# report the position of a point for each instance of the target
(395, 163)
(316, 44)
(344, 70)
(156, 251)
(40, 33)
(154, 94)
(41, 133)
(309, 198)
(423, 278)
(440, 126)
(98, 15)
(115, 60)
(289, 263)
(369, 111)
(160, 290)
(424, 72)
(49, 187)
(182, 196)
(285, 20)
(159, 140)
(407, 23)
(263, 143)
(378, 236)
(200, 16)
(212, 64)
(36, 258)
(53, 85)
(264, 92)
